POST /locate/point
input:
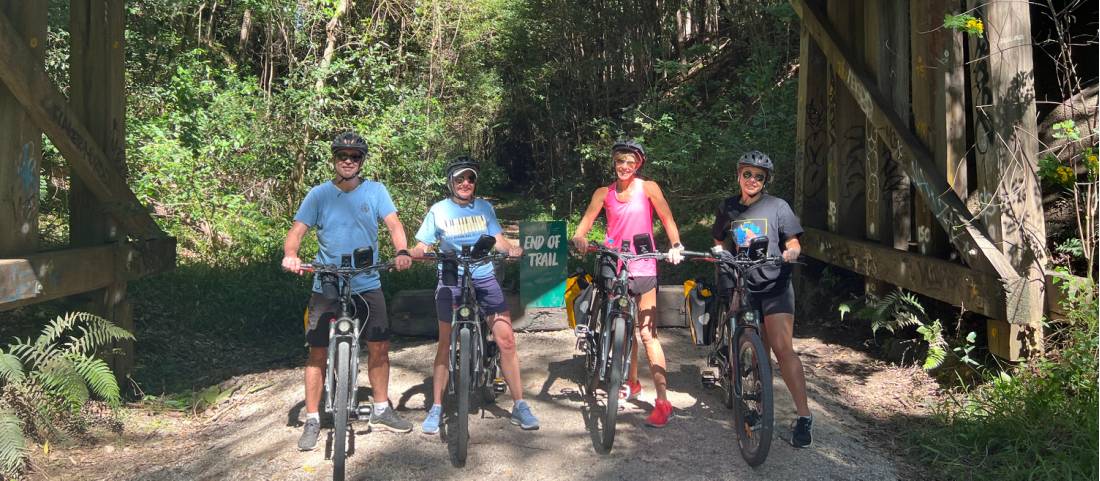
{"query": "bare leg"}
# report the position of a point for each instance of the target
(509, 359)
(315, 368)
(646, 335)
(378, 370)
(779, 335)
(440, 374)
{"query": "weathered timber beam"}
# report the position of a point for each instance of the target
(959, 285)
(913, 156)
(55, 274)
(30, 85)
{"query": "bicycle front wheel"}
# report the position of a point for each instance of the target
(465, 359)
(753, 409)
(614, 380)
(340, 409)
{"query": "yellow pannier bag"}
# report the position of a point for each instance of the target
(697, 300)
(578, 293)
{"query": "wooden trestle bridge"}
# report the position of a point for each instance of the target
(915, 165)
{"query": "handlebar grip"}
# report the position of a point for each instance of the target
(696, 254)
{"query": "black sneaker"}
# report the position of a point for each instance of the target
(802, 432)
(309, 435)
(389, 420)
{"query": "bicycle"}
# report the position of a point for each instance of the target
(744, 370)
(342, 371)
(607, 344)
(474, 358)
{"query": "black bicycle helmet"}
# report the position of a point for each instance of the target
(458, 165)
(461, 163)
(349, 140)
(627, 145)
(759, 159)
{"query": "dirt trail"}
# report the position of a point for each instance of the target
(856, 400)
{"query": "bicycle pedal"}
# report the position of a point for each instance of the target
(499, 386)
(363, 411)
(709, 379)
(580, 331)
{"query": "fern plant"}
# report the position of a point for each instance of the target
(51, 377)
(893, 312)
(899, 310)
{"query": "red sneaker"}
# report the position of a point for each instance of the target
(630, 390)
(661, 412)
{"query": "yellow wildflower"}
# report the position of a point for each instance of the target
(1065, 175)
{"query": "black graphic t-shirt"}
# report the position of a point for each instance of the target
(770, 216)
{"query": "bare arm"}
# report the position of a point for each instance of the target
(420, 249)
(506, 246)
(593, 210)
(293, 241)
(794, 248)
(400, 242)
(657, 198)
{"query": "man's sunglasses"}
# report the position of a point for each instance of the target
(749, 175)
(352, 157)
(470, 179)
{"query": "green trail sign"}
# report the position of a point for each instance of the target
(543, 267)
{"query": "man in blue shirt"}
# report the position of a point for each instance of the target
(345, 212)
(457, 221)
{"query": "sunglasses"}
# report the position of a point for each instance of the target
(469, 179)
(341, 156)
(749, 175)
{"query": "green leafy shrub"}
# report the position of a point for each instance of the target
(45, 383)
(1036, 421)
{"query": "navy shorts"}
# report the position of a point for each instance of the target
(322, 311)
(489, 297)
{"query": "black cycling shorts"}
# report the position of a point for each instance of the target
(322, 311)
(781, 302)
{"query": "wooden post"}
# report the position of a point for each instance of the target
(811, 149)
(886, 52)
(21, 143)
(928, 40)
(1002, 79)
(810, 187)
(97, 95)
(846, 204)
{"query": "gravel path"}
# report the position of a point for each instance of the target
(252, 434)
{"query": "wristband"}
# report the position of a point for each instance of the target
(677, 246)
(403, 252)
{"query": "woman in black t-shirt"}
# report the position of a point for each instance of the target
(739, 220)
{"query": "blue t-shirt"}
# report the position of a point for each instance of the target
(346, 221)
(453, 226)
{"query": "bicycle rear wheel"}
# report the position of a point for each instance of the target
(340, 409)
(465, 361)
(614, 380)
(753, 408)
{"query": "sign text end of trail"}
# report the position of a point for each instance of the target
(543, 269)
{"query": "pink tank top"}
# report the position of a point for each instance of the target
(627, 219)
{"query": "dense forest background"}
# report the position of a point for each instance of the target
(231, 104)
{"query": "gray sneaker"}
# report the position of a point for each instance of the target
(389, 420)
(308, 441)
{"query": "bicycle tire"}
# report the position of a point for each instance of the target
(340, 410)
(754, 409)
(462, 393)
(614, 381)
(593, 352)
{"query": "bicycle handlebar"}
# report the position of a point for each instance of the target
(335, 269)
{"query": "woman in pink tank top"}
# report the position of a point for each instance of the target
(629, 204)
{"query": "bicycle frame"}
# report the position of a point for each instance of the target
(335, 339)
(475, 322)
